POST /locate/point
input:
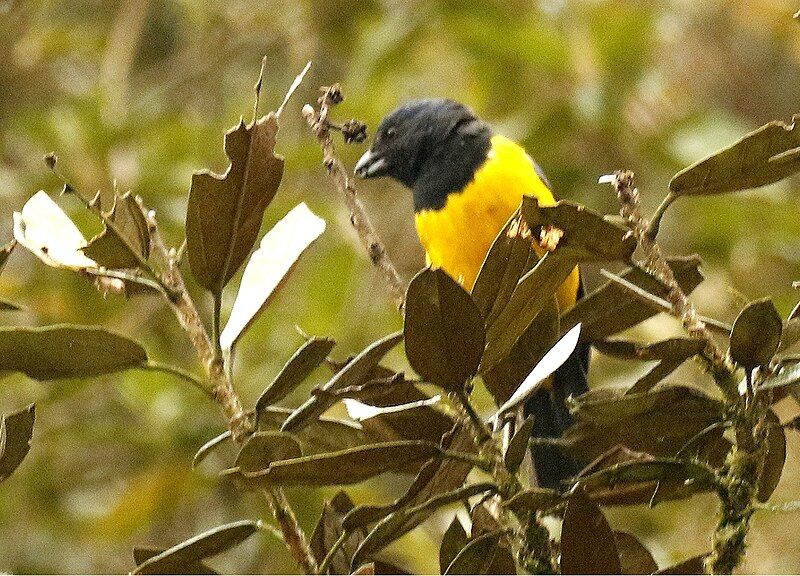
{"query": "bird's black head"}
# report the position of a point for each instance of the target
(432, 146)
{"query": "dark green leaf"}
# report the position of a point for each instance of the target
(321, 435)
(421, 422)
(764, 156)
(8, 306)
(756, 334)
(774, 459)
(588, 545)
(406, 519)
(534, 291)
(509, 258)
(5, 252)
(355, 372)
(477, 556)
(533, 500)
(329, 529)
(349, 466)
(443, 328)
(65, 351)
(634, 558)
(125, 237)
(143, 553)
(586, 232)
(611, 308)
(225, 211)
(263, 448)
(307, 358)
(693, 565)
(209, 447)
(205, 545)
(16, 431)
(518, 446)
(787, 376)
(453, 541)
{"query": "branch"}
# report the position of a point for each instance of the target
(353, 131)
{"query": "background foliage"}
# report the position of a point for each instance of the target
(141, 92)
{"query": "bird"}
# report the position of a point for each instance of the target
(467, 181)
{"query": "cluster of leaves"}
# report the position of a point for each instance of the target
(644, 444)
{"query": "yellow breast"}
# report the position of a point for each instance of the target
(457, 237)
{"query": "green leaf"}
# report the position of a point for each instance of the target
(329, 529)
(144, 553)
(268, 268)
(5, 252)
(443, 329)
(210, 543)
(225, 211)
(125, 238)
(477, 556)
(304, 361)
(588, 545)
(406, 519)
(263, 448)
(453, 541)
(693, 565)
(349, 466)
(417, 421)
(534, 500)
(590, 235)
(518, 446)
(207, 448)
(787, 375)
(774, 459)
(533, 293)
(16, 431)
(509, 258)
(8, 306)
(756, 334)
(634, 558)
(766, 155)
(65, 351)
(611, 308)
(355, 372)
(321, 435)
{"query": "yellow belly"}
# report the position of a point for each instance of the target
(457, 237)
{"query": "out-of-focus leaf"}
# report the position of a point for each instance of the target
(349, 466)
(436, 477)
(279, 251)
(532, 294)
(125, 237)
(551, 362)
(693, 565)
(504, 378)
(364, 570)
(634, 558)
(443, 328)
(518, 446)
(5, 252)
(671, 479)
(611, 308)
(8, 306)
(44, 229)
(225, 211)
(534, 500)
(453, 541)
(263, 448)
(791, 332)
(404, 520)
(477, 556)
(307, 358)
(65, 351)
(756, 334)
(766, 155)
(774, 459)
(355, 372)
(509, 258)
(16, 431)
(329, 529)
(586, 232)
(142, 554)
(205, 545)
(588, 545)
(207, 448)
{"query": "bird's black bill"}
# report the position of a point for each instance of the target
(370, 165)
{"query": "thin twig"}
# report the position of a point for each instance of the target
(320, 126)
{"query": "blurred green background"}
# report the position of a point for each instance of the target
(140, 92)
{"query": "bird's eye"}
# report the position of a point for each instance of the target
(391, 132)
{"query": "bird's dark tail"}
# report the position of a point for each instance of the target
(551, 418)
